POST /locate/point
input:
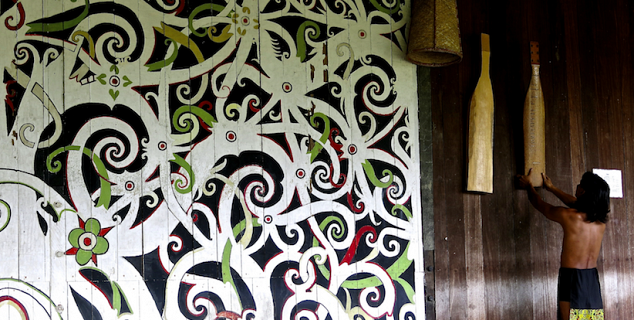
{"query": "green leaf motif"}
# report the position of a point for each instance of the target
(100, 78)
(226, 269)
(119, 298)
(199, 112)
(56, 166)
(127, 81)
(83, 256)
(185, 165)
(8, 215)
(73, 237)
(93, 226)
(164, 63)
(114, 94)
(401, 207)
(324, 135)
(36, 27)
(383, 9)
(314, 34)
(106, 187)
(101, 247)
(192, 15)
(369, 171)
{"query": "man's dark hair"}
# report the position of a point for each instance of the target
(595, 201)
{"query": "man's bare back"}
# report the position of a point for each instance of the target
(582, 240)
(583, 234)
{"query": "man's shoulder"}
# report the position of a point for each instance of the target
(569, 215)
(574, 216)
(566, 210)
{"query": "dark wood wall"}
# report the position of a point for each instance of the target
(495, 257)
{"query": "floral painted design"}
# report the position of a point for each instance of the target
(114, 81)
(586, 314)
(243, 21)
(262, 138)
(88, 241)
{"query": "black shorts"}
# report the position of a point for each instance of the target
(582, 289)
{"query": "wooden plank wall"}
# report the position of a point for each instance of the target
(495, 256)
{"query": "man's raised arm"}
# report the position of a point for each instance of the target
(567, 199)
(549, 211)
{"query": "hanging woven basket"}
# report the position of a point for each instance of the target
(434, 36)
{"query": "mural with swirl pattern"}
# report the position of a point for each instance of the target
(217, 159)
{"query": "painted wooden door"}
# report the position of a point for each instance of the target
(171, 159)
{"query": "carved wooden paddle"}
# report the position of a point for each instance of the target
(480, 168)
(534, 123)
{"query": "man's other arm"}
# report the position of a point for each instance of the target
(567, 199)
(549, 211)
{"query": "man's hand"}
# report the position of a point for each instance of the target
(567, 199)
(550, 212)
(548, 185)
(524, 181)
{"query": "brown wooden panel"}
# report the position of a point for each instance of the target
(624, 80)
(508, 225)
(573, 83)
(558, 138)
(453, 122)
(626, 61)
(441, 257)
(608, 131)
(474, 257)
(430, 288)
(587, 78)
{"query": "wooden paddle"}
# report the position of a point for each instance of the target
(535, 124)
(480, 168)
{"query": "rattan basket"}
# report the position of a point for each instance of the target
(434, 36)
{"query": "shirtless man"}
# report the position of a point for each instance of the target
(579, 291)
